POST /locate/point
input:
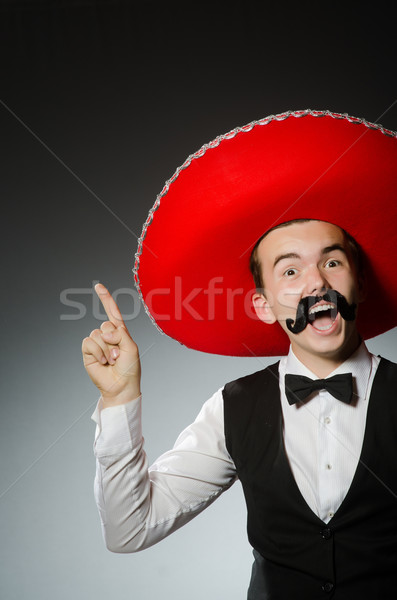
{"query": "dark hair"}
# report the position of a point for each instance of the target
(256, 267)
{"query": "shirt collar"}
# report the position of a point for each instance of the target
(359, 364)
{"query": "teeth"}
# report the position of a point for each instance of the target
(325, 327)
(319, 308)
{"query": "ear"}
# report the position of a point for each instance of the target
(262, 309)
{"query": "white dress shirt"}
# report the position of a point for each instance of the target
(139, 506)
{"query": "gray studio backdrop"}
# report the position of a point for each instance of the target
(100, 102)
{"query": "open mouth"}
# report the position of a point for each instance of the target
(321, 312)
(322, 315)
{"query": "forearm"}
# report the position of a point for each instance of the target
(141, 506)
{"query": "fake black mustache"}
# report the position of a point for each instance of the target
(347, 311)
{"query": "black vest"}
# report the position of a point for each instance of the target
(298, 556)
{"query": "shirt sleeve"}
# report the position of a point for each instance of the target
(140, 506)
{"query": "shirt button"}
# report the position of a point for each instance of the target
(329, 466)
(331, 514)
(328, 587)
(327, 420)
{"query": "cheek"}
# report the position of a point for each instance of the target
(346, 284)
(287, 300)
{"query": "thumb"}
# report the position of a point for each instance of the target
(120, 337)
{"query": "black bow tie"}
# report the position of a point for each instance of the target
(299, 387)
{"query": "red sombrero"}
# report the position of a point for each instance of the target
(192, 264)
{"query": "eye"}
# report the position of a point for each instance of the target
(290, 272)
(332, 263)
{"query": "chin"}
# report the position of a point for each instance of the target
(328, 344)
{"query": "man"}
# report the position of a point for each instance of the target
(318, 473)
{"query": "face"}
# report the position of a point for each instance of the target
(307, 259)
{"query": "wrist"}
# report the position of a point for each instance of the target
(122, 398)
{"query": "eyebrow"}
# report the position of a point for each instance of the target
(283, 256)
(332, 248)
(324, 251)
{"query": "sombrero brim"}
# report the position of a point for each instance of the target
(192, 264)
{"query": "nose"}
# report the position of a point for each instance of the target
(316, 283)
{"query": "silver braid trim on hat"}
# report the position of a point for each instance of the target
(213, 144)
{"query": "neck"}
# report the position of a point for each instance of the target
(322, 364)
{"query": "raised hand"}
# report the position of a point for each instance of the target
(111, 357)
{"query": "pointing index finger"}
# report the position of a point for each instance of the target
(110, 306)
